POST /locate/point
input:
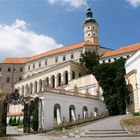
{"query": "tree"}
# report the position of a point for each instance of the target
(34, 113)
(111, 78)
(89, 60)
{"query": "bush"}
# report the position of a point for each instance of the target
(10, 121)
(136, 114)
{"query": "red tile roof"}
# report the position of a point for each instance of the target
(123, 50)
(51, 52)
(15, 60)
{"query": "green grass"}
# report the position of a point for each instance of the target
(132, 121)
(136, 114)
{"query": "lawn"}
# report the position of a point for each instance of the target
(132, 125)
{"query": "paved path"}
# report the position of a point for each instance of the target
(106, 129)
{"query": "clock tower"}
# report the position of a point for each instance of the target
(91, 28)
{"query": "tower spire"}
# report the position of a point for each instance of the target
(90, 27)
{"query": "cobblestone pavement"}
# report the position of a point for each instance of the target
(105, 129)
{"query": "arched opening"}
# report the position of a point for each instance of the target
(65, 77)
(35, 87)
(85, 112)
(40, 85)
(58, 79)
(73, 75)
(26, 90)
(22, 90)
(47, 81)
(131, 107)
(57, 114)
(95, 112)
(53, 81)
(72, 114)
(31, 88)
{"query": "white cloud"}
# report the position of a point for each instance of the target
(134, 3)
(71, 3)
(16, 40)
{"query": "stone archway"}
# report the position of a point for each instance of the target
(72, 113)
(57, 114)
(85, 112)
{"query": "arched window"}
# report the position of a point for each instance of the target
(27, 90)
(65, 77)
(22, 90)
(40, 85)
(73, 75)
(58, 79)
(72, 114)
(31, 88)
(35, 87)
(95, 112)
(53, 81)
(57, 114)
(85, 112)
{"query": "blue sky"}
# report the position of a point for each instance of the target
(59, 22)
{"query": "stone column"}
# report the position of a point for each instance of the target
(41, 115)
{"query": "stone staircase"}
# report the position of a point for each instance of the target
(97, 133)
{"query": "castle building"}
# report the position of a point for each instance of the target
(58, 68)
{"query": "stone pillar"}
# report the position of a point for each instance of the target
(41, 115)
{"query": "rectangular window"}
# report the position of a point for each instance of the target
(56, 59)
(64, 58)
(9, 69)
(109, 60)
(46, 62)
(39, 64)
(28, 67)
(0, 69)
(33, 66)
(8, 80)
(21, 70)
(72, 56)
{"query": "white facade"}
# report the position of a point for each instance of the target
(132, 67)
(49, 99)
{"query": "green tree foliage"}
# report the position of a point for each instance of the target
(10, 121)
(111, 78)
(89, 60)
(34, 114)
